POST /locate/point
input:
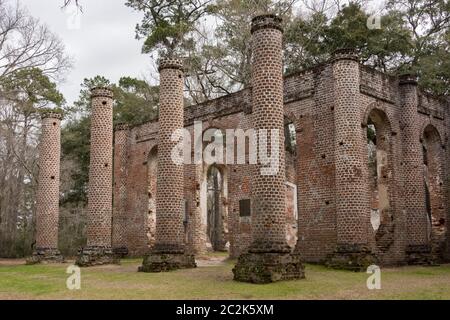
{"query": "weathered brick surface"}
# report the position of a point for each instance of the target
(312, 100)
(119, 218)
(315, 164)
(352, 195)
(169, 187)
(99, 216)
(168, 251)
(414, 192)
(268, 191)
(47, 197)
(268, 258)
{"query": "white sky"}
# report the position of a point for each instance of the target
(104, 44)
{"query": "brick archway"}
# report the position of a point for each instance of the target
(152, 172)
(380, 178)
(217, 207)
(434, 184)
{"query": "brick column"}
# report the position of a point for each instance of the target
(352, 196)
(98, 250)
(197, 234)
(269, 258)
(119, 223)
(447, 178)
(168, 252)
(47, 197)
(418, 249)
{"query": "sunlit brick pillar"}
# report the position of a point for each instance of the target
(119, 223)
(417, 249)
(98, 250)
(352, 197)
(168, 252)
(269, 258)
(47, 197)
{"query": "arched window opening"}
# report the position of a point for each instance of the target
(290, 137)
(216, 209)
(152, 165)
(434, 190)
(290, 143)
(380, 172)
(373, 175)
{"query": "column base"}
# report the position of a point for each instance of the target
(96, 256)
(419, 255)
(268, 267)
(351, 257)
(45, 255)
(163, 262)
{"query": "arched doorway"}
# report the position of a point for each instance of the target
(434, 190)
(380, 175)
(216, 208)
(152, 165)
(290, 149)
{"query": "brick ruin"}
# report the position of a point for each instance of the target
(269, 256)
(365, 176)
(350, 199)
(47, 196)
(100, 194)
(168, 250)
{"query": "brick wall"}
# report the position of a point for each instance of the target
(311, 102)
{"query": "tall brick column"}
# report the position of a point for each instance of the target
(98, 250)
(47, 197)
(352, 197)
(168, 252)
(121, 136)
(418, 249)
(269, 258)
(447, 179)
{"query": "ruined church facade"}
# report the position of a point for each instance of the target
(367, 172)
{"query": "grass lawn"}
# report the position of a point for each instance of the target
(213, 280)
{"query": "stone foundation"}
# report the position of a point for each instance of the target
(163, 262)
(268, 267)
(96, 256)
(45, 256)
(419, 255)
(351, 257)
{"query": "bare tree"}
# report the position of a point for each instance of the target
(29, 55)
(26, 43)
(18, 166)
(76, 2)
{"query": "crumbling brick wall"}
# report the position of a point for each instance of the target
(310, 103)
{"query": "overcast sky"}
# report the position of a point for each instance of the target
(100, 40)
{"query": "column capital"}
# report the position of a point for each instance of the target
(122, 127)
(101, 92)
(266, 21)
(345, 54)
(170, 63)
(407, 78)
(51, 115)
